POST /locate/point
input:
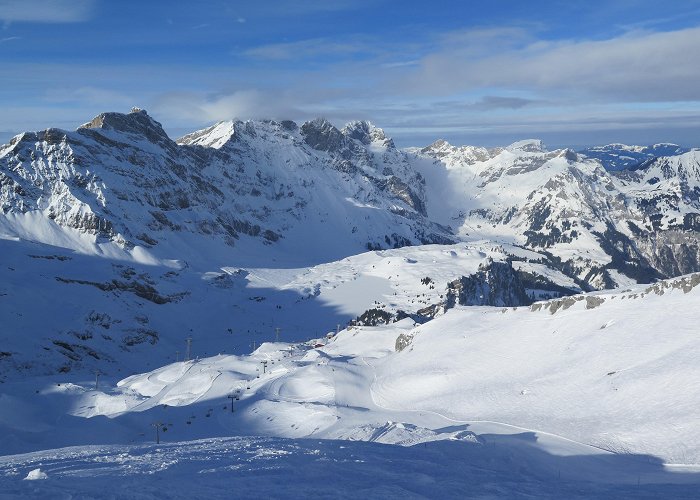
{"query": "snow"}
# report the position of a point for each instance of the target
(36, 474)
(528, 146)
(214, 137)
(592, 395)
(595, 396)
(603, 386)
(255, 467)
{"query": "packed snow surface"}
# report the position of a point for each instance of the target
(258, 467)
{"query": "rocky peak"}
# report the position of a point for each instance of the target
(459, 156)
(528, 146)
(569, 155)
(19, 138)
(289, 125)
(137, 122)
(366, 133)
(321, 135)
(439, 148)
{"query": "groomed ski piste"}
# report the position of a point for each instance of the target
(591, 395)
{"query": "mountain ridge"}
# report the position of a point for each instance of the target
(247, 191)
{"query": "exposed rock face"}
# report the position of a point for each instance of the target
(672, 252)
(366, 133)
(495, 284)
(321, 135)
(136, 123)
(403, 341)
(684, 283)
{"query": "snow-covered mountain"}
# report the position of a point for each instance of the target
(247, 193)
(602, 228)
(312, 193)
(119, 316)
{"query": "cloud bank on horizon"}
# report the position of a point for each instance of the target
(472, 72)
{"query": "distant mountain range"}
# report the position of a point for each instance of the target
(252, 192)
(616, 157)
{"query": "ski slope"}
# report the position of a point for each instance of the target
(585, 395)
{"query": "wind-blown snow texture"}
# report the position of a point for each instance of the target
(387, 296)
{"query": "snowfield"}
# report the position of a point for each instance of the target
(255, 467)
(603, 371)
(584, 395)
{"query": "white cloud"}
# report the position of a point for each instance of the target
(241, 104)
(491, 102)
(639, 66)
(479, 83)
(45, 11)
(480, 42)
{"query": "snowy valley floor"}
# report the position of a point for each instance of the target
(355, 418)
(588, 396)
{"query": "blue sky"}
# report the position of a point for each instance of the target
(474, 72)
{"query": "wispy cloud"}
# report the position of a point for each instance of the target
(9, 39)
(241, 104)
(401, 64)
(674, 16)
(481, 42)
(46, 11)
(637, 66)
(505, 81)
(491, 102)
(311, 48)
